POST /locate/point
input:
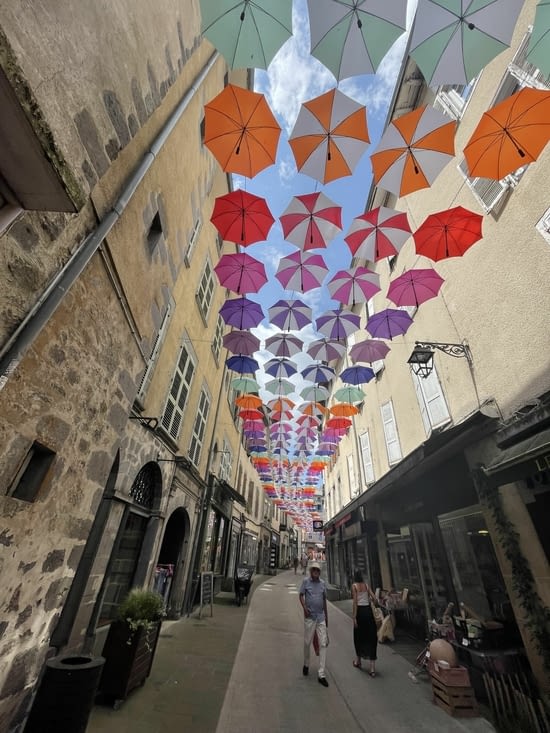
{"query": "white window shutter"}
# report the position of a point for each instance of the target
(157, 344)
(390, 433)
(366, 455)
(353, 488)
(177, 397)
(193, 238)
(422, 404)
(199, 427)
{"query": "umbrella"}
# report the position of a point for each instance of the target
(357, 374)
(413, 151)
(313, 409)
(311, 221)
(389, 323)
(356, 285)
(379, 233)
(344, 409)
(452, 40)
(290, 314)
(242, 217)
(301, 271)
(510, 135)
(248, 34)
(283, 344)
(326, 349)
(308, 421)
(349, 394)
(280, 386)
(338, 324)
(318, 373)
(369, 350)
(280, 368)
(249, 401)
(281, 403)
(538, 53)
(242, 364)
(280, 415)
(330, 136)
(352, 38)
(244, 384)
(415, 287)
(241, 131)
(448, 233)
(315, 393)
(241, 273)
(250, 414)
(241, 342)
(241, 313)
(338, 423)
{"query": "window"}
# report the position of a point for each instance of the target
(193, 238)
(370, 308)
(155, 233)
(543, 225)
(157, 345)
(353, 488)
(217, 341)
(199, 427)
(431, 401)
(205, 291)
(177, 397)
(486, 191)
(225, 462)
(31, 474)
(390, 433)
(452, 99)
(366, 455)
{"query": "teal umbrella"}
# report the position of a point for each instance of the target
(539, 43)
(248, 33)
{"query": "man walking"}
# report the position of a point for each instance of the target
(313, 599)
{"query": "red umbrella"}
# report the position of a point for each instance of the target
(242, 217)
(241, 273)
(415, 287)
(448, 233)
(338, 422)
(378, 233)
(311, 221)
(356, 285)
(301, 271)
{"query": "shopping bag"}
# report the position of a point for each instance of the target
(316, 643)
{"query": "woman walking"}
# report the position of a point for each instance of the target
(364, 625)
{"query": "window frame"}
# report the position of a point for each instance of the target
(392, 460)
(192, 241)
(425, 401)
(205, 291)
(187, 381)
(199, 426)
(368, 467)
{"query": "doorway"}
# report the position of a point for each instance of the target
(169, 577)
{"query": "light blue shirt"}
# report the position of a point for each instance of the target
(314, 593)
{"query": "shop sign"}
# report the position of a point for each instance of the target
(274, 538)
(543, 462)
(273, 557)
(317, 525)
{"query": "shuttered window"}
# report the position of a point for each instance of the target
(366, 456)
(205, 290)
(390, 433)
(217, 341)
(157, 345)
(353, 488)
(431, 401)
(197, 437)
(177, 398)
(543, 225)
(225, 462)
(193, 239)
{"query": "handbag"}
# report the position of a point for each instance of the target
(378, 616)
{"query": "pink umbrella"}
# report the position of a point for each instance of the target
(326, 349)
(283, 344)
(301, 271)
(415, 287)
(241, 273)
(290, 315)
(311, 221)
(369, 351)
(338, 324)
(241, 342)
(356, 285)
(379, 233)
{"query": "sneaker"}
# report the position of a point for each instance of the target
(323, 681)
(305, 670)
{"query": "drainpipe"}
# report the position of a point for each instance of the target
(29, 329)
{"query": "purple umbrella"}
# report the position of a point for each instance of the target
(356, 285)
(415, 287)
(338, 324)
(256, 435)
(241, 342)
(242, 364)
(283, 344)
(318, 373)
(301, 271)
(241, 273)
(290, 315)
(357, 375)
(327, 349)
(368, 350)
(280, 368)
(242, 313)
(389, 323)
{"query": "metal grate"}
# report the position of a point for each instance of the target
(143, 488)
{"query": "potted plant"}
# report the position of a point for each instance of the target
(130, 645)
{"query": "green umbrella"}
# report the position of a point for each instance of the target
(539, 43)
(247, 33)
(245, 384)
(349, 394)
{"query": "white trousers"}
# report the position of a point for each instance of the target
(309, 630)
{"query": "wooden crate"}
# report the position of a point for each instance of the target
(453, 677)
(460, 702)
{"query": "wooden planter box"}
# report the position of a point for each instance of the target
(457, 701)
(128, 660)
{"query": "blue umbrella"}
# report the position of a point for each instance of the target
(357, 374)
(242, 364)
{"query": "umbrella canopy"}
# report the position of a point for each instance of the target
(280, 386)
(338, 324)
(290, 315)
(242, 217)
(352, 38)
(318, 373)
(301, 271)
(510, 135)
(344, 409)
(283, 344)
(242, 364)
(241, 342)
(349, 395)
(389, 323)
(242, 313)
(338, 423)
(538, 53)
(308, 421)
(248, 34)
(244, 384)
(280, 368)
(415, 287)
(326, 349)
(241, 131)
(413, 151)
(379, 233)
(281, 403)
(241, 273)
(249, 401)
(250, 414)
(369, 351)
(356, 285)
(311, 220)
(448, 233)
(330, 136)
(452, 40)
(357, 374)
(313, 408)
(315, 393)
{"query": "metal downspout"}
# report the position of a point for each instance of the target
(28, 330)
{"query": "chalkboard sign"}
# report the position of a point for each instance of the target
(207, 592)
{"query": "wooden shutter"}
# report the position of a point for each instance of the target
(390, 433)
(366, 455)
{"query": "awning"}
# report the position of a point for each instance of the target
(525, 458)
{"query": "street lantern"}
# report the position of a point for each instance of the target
(421, 359)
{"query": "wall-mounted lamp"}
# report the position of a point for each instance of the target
(179, 460)
(421, 359)
(148, 422)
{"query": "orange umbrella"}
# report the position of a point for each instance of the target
(248, 401)
(313, 409)
(241, 131)
(510, 135)
(344, 409)
(413, 150)
(330, 136)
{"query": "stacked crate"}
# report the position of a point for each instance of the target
(452, 690)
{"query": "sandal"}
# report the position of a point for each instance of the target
(372, 674)
(356, 665)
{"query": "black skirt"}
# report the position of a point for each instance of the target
(365, 639)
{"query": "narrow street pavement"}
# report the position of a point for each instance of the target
(240, 671)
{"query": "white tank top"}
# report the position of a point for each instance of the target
(363, 598)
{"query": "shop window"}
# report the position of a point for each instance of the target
(391, 436)
(199, 427)
(366, 455)
(32, 472)
(153, 356)
(205, 291)
(431, 401)
(179, 390)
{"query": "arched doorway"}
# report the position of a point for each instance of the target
(169, 571)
